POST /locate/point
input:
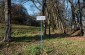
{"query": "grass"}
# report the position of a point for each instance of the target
(27, 42)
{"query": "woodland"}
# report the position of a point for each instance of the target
(64, 27)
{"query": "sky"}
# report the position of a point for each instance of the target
(31, 9)
(68, 7)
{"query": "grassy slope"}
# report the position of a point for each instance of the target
(27, 42)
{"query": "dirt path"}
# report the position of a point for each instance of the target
(76, 38)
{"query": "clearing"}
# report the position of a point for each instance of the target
(27, 42)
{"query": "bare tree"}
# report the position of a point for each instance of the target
(7, 20)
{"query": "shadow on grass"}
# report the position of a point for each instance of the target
(37, 37)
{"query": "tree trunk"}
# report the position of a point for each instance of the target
(80, 18)
(7, 37)
(84, 21)
(43, 13)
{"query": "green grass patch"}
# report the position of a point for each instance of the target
(27, 42)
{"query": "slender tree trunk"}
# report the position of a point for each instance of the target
(49, 26)
(7, 37)
(43, 13)
(84, 21)
(80, 18)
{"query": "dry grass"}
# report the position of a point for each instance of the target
(27, 42)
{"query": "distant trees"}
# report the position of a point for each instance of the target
(55, 13)
(77, 15)
(19, 14)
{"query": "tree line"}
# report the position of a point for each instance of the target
(55, 12)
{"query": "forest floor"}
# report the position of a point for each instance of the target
(27, 42)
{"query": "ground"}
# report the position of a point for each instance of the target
(27, 42)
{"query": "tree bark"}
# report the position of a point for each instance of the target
(7, 9)
(43, 13)
(80, 18)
